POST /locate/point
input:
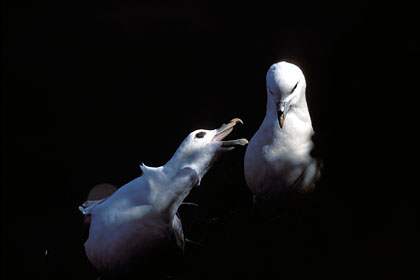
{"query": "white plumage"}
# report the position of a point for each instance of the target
(277, 159)
(140, 217)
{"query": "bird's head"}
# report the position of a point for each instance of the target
(285, 86)
(201, 148)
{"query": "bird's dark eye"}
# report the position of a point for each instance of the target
(293, 89)
(200, 134)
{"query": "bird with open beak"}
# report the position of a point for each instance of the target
(140, 217)
(278, 158)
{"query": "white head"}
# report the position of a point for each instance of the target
(286, 87)
(201, 148)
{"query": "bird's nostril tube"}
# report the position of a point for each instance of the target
(281, 106)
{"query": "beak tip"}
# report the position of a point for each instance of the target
(281, 121)
(237, 120)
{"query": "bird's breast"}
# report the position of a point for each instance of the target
(274, 160)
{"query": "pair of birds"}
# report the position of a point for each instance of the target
(142, 215)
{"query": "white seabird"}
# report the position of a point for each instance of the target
(140, 217)
(278, 159)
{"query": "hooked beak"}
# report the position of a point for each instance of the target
(225, 130)
(282, 108)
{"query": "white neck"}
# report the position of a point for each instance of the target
(172, 182)
(180, 161)
(297, 130)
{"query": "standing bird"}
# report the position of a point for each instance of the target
(278, 159)
(140, 218)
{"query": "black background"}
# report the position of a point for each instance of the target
(91, 90)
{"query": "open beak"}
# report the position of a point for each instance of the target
(225, 130)
(282, 108)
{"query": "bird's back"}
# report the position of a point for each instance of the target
(123, 227)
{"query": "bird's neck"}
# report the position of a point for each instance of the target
(171, 182)
(168, 190)
(297, 130)
(180, 161)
